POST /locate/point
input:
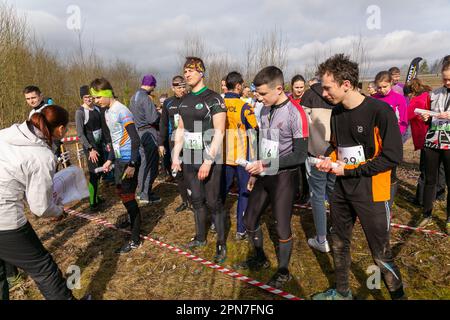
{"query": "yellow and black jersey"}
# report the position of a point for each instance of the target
(368, 139)
(240, 118)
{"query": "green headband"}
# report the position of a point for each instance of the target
(101, 93)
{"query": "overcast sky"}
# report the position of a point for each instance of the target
(150, 33)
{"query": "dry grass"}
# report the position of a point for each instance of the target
(156, 273)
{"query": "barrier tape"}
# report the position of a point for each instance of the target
(432, 232)
(70, 139)
(229, 272)
(394, 225)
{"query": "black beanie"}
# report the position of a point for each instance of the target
(84, 91)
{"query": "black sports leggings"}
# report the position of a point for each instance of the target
(278, 191)
(206, 195)
(433, 159)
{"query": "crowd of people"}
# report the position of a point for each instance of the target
(325, 145)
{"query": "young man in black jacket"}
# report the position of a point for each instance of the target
(367, 145)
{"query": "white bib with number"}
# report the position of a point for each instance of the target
(269, 149)
(440, 124)
(176, 119)
(97, 135)
(193, 140)
(351, 155)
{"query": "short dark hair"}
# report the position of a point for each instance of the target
(101, 84)
(342, 68)
(394, 70)
(296, 78)
(271, 76)
(445, 63)
(233, 79)
(30, 89)
(383, 76)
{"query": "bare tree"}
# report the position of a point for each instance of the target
(266, 50)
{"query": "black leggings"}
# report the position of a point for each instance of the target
(433, 159)
(206, 195)
(22, 248)
(126, 189)
(440, 185)
(182, 187)
(278, 191)
(375, 221)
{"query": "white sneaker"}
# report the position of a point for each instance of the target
(322, 247)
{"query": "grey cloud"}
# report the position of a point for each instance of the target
(149, 34)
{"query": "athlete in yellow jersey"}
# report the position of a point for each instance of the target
(241, 124)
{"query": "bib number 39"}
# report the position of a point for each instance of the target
(351, 155)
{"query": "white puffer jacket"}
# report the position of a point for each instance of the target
(27, 166)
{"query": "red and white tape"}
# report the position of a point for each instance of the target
(422, 230)
(206, 263)
(70, 139)
(394, 225)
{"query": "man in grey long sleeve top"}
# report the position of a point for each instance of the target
(146, 119)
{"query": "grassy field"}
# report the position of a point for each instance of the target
(155, 273)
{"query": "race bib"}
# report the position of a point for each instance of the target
(351, 155)
(193, 140)
(176, 119)
(97, 135)
(117, 153)
(269, 149)
(440, 125)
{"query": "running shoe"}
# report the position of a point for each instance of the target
(182, 207)
(195, 244)
(332, 294)
(127, 247)
(322, 247)
(279, 279)
(426, 221)
(241, 236)
(253, 263)
(221, 253)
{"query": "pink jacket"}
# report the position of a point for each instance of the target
(399, 105)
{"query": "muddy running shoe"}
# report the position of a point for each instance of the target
(425, 222)
(182, 207)
(332, 294)
(194, 244)
(279, 279)
(127, 247)
(153, 198)
(123, 224)
(221, 253)
(241, 236)
(253, 264)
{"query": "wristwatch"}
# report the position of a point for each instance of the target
(132, 164)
